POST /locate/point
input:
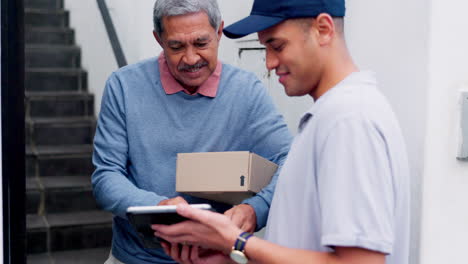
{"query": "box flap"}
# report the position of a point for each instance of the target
(261, 172)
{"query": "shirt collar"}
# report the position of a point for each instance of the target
(171, 86)
(355, 77)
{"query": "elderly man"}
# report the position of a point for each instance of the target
(183, 101)
(343, 193)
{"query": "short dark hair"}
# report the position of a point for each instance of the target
(306, 22)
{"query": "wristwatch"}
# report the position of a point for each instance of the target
(237, 254)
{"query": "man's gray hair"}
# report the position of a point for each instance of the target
(163, 8)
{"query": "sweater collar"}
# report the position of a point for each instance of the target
(171, 86)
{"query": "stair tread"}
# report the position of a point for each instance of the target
(92, 217)
(59, 182)
(31, 184)
(79, 218)
(55, 70)
(34, 221)
(44, 10)
(83, 256)
(60, 149)
(49, 29)
(42, 258)
(58, 94)
(52, 47)
(62, 182)
(61, 120)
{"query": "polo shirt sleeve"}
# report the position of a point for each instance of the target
(355, 186)
(270, 138)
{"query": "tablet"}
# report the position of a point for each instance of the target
(142, 217)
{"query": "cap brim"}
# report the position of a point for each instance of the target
(251, 24)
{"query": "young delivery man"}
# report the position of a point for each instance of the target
(343, 193)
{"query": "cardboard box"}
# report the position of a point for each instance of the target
(228, 177)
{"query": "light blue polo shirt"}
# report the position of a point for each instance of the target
(345, 181)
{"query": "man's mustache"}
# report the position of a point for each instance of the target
(196, 66)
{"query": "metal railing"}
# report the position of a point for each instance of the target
(112, 34)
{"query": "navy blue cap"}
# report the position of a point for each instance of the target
(267, 13)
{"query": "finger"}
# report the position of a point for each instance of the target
(166, 248)
(175, 239)
(237, 219)
(185, 254)
(204, 216)
(174, 230)
(194, 254)
(170, 239)
(173, 201)
(236, 216)
(229, 213)
(244, 217)
(179, 200)
(175, 252)
(248, 226)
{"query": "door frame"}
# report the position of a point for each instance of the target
(12, 131)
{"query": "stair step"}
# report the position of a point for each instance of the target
(38, 17)
(42, 258)
(69, 231)
(49, 35)
(75, 160)
(37, 234)
(52, 56)
(59, 104)
(60, 194)
(33, 196)
(59, 150)
(55, 79)
(83, 256)
(60, 131)
(45, 4)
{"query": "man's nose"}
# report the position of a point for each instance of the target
(271, 61)
(191, 57)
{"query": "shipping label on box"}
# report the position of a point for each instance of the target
(228, 177)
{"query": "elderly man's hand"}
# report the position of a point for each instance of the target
(173, 201)
(243, 215)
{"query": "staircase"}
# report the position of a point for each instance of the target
(64, 223)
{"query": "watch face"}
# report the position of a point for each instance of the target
(238, 256)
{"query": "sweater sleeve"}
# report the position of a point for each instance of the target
(111, 186)
(271, 139)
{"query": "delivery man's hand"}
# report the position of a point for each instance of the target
(195, 255)
(173, 201)
(243, 215)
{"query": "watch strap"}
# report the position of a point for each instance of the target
(241, 241)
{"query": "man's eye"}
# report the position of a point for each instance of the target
(176, 48)
(278, 47)
(201, 45)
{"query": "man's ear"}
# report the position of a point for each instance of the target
(220, 30)
(157, 38)
(326, 28)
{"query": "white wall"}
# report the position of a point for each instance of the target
(391, 38)
(445, 185)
